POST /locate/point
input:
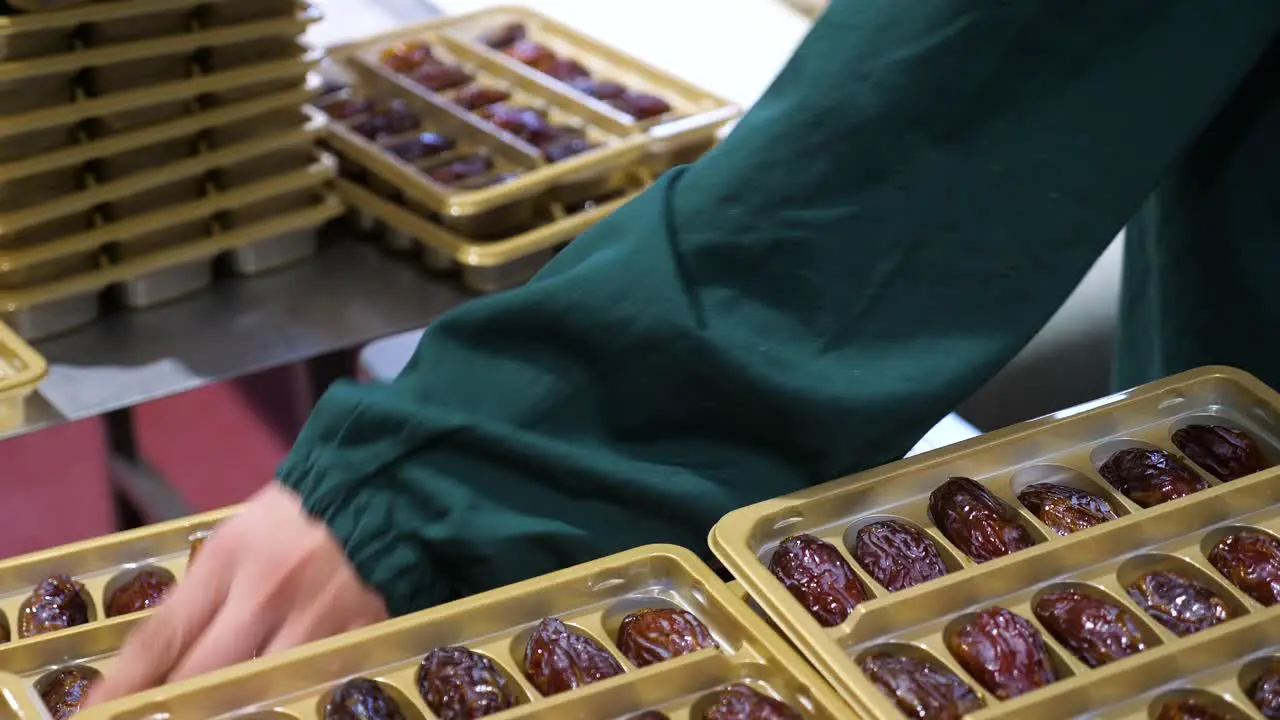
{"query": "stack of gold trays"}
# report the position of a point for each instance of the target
(21, 369)
(485, 142)
(141, 139)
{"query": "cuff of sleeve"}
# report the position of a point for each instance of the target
(387, 557)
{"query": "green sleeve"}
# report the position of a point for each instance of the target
(918, 191)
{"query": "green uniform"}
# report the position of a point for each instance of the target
(915, 195)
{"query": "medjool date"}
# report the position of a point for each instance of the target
(650, 636)
(56, 604)
(144, 590)
(1264, 691)
(504, 35)
(599, 89)
(1178, 603)
(439, 76)
(421, 147)
(394, 119)
(897, 555)
(565, 70)
(466, 167)
(977, 522)
(1251, 561)
(361, 699)
(1150, 477)
(649, 715)
(535, 55)
(474, 97)
(1228, 454)
(407, 56)
(816, 574)
(1065, 509)
(921, 689)
(458, 684)
(348, 108)
(1093, 629)
(1187, 710)
(740, 702)
(525, 123)
(557, 659)
(63, 693)
(1003, 651)
(568, 144)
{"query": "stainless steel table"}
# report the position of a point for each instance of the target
(349, 294)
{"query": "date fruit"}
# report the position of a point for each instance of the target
(897, 555)
(452, 173)
(504, 35)
(599, 89)
(526, 123)
(1264, 692)
(641, 106)
(438, 77)
(361, 699)
(650, 636)
(816, 574)
(649, 715)
(473, 97)
(565, 70)
(1093, 629)
(1150, 477)
(921, 689)
(557, 659)
(1003, 651)
(1187, 710)
(405, 57)
(458, 684)
(63, 693)
(533, 54)
(740, 702)
(1064, 508)
(1228, 454)
(56, 604)
(142, 591)
(1251, 561)
(568, 144)
(421, 147)
(977, 522)
(394, 119)
(1181, 604)
(349, 108)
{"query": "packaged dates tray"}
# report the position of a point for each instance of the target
(993, 611)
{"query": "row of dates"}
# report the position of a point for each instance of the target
(457, 683)
(1006, 654)
(59, 601)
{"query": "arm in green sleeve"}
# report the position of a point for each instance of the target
(918, 191)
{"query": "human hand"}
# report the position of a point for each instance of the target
(270, 578)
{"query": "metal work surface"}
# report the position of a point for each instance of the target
(349, 294)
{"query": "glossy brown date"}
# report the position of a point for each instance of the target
(1003, 651)
(458, 684)
(977, 522)
(740, 702)
(897, 555)
(1187, 710)
(525, 123)
(1093, 629)
(649, 715)
(599, 89)
(421, 147)
(65, 691)
(461, 169)
(646, 637)
(920, 688)
(565, 70)
(407, 56)
(1228, 454)
(503, 35)
(1181, 604)
(1150, 477)
(474, 97)
(1251, 561)
(361, 699)
(349, 108)
(1065, 509)
(1264, 691)
(142, 591)
(641, 106)
(816, 574)
(394, 119)
(438, 77)
(533, 54)
(568, 144)
(56, 604)
(557, 659)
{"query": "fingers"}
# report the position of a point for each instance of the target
(234, 635)
(155, 647)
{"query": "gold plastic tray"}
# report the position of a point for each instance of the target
(21, 369)
(593, 598)
(484, 266)
(1064, 448)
